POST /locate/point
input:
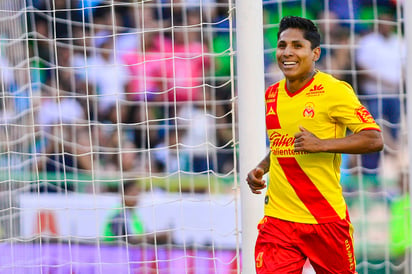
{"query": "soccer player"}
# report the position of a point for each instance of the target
(307, 115)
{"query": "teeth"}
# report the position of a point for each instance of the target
(289, 63)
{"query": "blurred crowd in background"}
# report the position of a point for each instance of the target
(133, 89)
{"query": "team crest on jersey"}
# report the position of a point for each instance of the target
(364, 115)
(309, 111)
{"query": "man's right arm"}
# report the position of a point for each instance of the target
(255, 176)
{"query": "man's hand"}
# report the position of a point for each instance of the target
(307, 141)
(255, 180)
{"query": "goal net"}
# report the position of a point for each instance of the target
(119, 132)
(118, 137)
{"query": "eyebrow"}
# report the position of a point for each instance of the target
(293, 41)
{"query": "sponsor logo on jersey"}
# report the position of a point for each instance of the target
(316, 90)
(283, 145)
(281, 140)
(309, 111)
(364, 115)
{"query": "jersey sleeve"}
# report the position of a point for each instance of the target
(346, 109)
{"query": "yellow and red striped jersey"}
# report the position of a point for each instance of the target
(305, 187)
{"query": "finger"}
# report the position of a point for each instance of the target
(259, 172)
(256, 185)
(297, 142)
(250, 178)
(297, 135)
(256, 191)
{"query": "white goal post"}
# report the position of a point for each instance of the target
(251, 87)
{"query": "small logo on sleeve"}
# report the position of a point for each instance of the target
(364, 115)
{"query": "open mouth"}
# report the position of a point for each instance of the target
(288, 64)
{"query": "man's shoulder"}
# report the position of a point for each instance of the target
(276, 84)
(328, 85)
(329, 79)
(273, 88)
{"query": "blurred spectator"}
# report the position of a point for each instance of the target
(336, 53)
(117, 22)
(88, 7)
(124, 224)
(63, 145)
(221, 42)
(186, 57)
(6, 71)
(346, 9)
(41, 48)
(146, 64)
(366, 13)
(199, 139)
(60, 15)
(168, 154)
(380, 57)
(400, 221)
(167, 68)
(146, 77)
(208, 7)
(124, 158)
(188, 62)
(54, 110)
(224, 132)
(108, 78)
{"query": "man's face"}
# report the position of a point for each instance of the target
(294, 54)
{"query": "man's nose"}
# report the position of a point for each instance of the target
(288, 50)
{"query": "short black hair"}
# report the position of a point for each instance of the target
(309, 29)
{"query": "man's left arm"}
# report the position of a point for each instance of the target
(365, 141)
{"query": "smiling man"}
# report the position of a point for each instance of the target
(307, 117)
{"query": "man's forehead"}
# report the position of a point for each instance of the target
(292, 35)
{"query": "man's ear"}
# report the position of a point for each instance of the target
(316, 54)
